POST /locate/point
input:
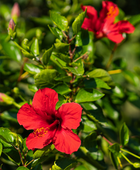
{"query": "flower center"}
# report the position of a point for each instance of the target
(41, 131)
(112, 11)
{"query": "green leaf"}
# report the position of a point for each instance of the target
(35, 47)
(64, 164)
(57, 32)
(62, 89)
(85, 96)
(77, 68)
(1, 147)
(114, 160)
(88, 125)
(22, 168)
(94, 112)
(81, 167)
(11, 51)
(31, 68)
(46, 56)
(61, 47)
(76, 25)
(102, 74)
(32, 88)
(60, 21)
(60, 102)
(90, 141)
(58, 61)
(135, 19)
(131, 77)
(95, 83)
(43, 152)
(45, 78)
(6, 135)
(115, 149)
(124, 135)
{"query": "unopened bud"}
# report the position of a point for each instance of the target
(136, 165)
(12, 25)
(6, 99)
(1, 97)
(11, 29)
(15, 10)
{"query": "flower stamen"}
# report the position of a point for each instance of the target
(41, 131)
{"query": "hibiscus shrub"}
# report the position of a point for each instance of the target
(69, 86)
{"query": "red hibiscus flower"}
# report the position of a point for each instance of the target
(50, 125)
(104, 26)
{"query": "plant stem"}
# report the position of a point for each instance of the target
(115, 71)
(130, 153)
(111, 56)
(127, 159)
(107, 140)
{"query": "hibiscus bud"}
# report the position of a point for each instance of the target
(6, 99)
(11, 29)
(15, 10)
(1, 97)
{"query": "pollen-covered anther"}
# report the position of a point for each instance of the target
(111, 12)
(41, 131)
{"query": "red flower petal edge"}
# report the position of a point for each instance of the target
(104, 26)
(50, 125)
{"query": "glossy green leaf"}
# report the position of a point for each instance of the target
(90, 141)
(94, 112)
(90, 158)
(102, 74)
(5, 11)
(62, 89)
(31, 68)
(44, 21)
(114, 160)
(22, 168)
(131, 77)
(57, 32)
(1, 147)
(81, 167)
(135, 19)
(45, 78)
(11, 51)
(43, 152)
(61, 47)
(46, 56)
(6, 135)
(76, 25)
(88, 125)
(124, 135)
(58, 61)
(60, 102)
(77, 68)
(64, 164)
(60, 21)
(85, 96)
(32, 87)
(110, 110)
(115, 149)
(95, 83)
(35, 47)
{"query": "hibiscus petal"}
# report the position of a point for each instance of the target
(91, 12)
(115, 37)
(28, 117)
(125, 26)
(109, 10)
(87, 25)
(66, 141)
(36, 142)
(44, 101)
(70, 114)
